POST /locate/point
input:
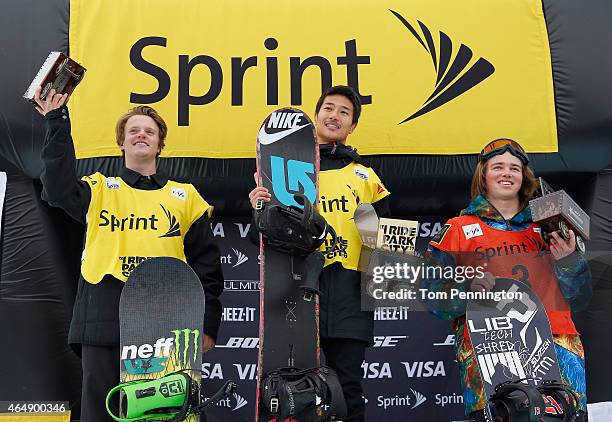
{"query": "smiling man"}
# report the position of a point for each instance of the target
(499, 217)
(129, 217)
(344, 183)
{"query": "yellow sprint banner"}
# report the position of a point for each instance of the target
(435, 76)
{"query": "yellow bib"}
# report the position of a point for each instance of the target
(125, 226)
(340, 192)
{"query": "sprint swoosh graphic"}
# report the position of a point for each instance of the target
(266, 138)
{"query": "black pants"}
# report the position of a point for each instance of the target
(345, 356)
(100, 374)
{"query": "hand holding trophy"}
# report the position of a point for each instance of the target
(556, 211)
(51, 102)
(57, 78)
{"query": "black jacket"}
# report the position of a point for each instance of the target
(95, 318)
(340, 314)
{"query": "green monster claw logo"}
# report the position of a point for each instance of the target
(184, 336)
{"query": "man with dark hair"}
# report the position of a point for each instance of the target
(344, 91)
(126, 222)
(345, 329)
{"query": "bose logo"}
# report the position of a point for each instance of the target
(241, 343)
(387, 341)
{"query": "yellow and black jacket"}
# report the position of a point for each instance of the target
(344, 183)
(127, 217)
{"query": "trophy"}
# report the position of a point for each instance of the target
(58, 72)
(557, 211)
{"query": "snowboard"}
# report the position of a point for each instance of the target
(161, 316)
(287, 163)
(512, 338)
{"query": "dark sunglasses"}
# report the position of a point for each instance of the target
(500, 146)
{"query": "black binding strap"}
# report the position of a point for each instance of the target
(288, 392)
(291, 229)
(562, 393)
(313, 265)
(535, 402)
(337, 405)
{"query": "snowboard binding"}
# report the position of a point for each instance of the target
(515, 401)
(297, 232)
(172, 398)
(294, 230)
(313, 266)
(289, 392)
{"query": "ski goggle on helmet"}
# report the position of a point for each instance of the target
(502, 145)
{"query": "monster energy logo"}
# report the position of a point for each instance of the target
(182, 337)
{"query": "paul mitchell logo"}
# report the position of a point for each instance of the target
(449, 85)
(241, 285)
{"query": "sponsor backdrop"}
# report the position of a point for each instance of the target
(409, 374)
(404, 79)
(425, 70)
